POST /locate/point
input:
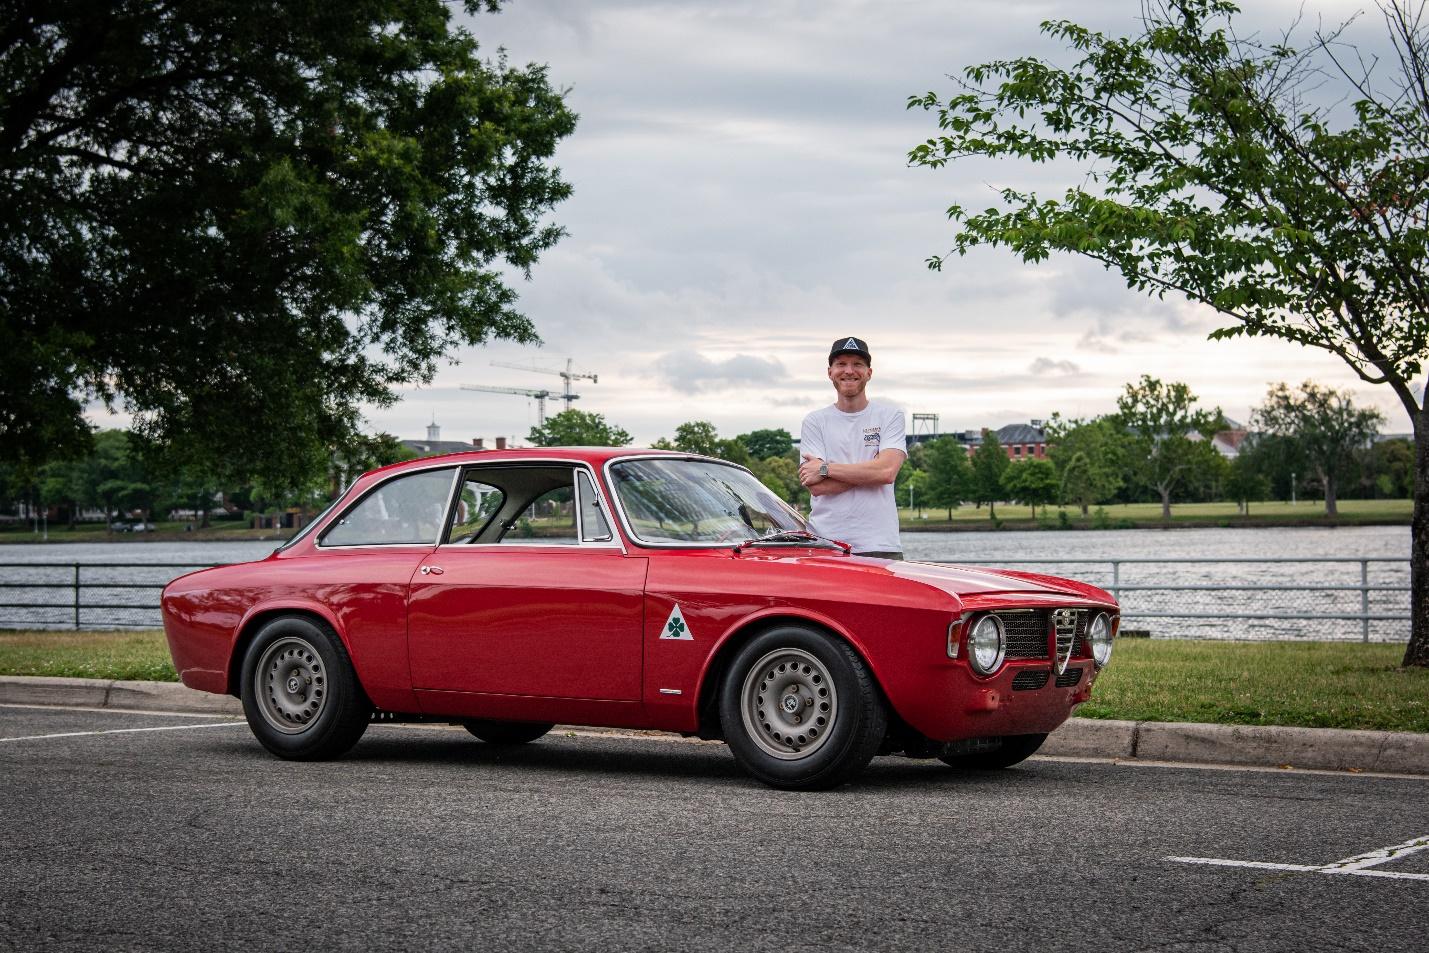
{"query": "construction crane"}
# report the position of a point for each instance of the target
(540, 396)
(566, 376)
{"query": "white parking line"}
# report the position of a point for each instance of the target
(1357, 866)
(124, 731)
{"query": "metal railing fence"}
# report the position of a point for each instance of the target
(1220, 608)
(1264, 598)
(96, 595)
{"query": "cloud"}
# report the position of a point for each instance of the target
(691, 371)
(1047, 366)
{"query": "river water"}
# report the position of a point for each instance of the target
(42, 575)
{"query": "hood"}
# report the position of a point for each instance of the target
(978, 580)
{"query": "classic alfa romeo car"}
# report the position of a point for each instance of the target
(508, 591)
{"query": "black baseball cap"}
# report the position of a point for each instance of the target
(851, 346)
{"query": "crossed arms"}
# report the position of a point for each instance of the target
(845, 476)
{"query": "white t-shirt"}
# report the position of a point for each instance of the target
(865, 517)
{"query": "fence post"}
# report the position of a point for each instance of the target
(1364, 599)
(1116, 579)
(76, 596)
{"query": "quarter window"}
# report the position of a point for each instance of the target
(594, 526)
(407, 509)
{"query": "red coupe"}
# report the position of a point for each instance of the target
(511, 590)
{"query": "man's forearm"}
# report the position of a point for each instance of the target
(867, 473)
(828, 486)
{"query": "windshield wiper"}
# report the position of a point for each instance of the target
(792, 536)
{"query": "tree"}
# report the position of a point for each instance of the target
(1162, 423)
(1090, 456)
(1207, 170)
(988, 463)
(1326, 427)
(763, 444)
(578, 428)
(697, 436)
(1246, 483)
(780, 475)
(248, 218)
(1390, 466)
(1033, 482)
(950, 476)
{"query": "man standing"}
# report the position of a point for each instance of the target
(852, 451)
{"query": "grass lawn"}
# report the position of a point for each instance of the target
(1307, 684)
(1132, 515)
(174, 531)
(140, 655)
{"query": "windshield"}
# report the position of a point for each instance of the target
(695, 501)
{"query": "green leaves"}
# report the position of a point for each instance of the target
(245, 220)
(1205, 173)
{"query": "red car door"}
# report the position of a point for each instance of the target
(550, 621)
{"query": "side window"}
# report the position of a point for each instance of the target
(478, 503)
(408, 509)
(549, 520)
(594, 526)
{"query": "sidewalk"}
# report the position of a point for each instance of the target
(1387, 752)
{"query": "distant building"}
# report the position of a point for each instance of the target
(434, 444)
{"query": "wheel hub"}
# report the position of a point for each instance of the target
(290, 691)
(789, 704)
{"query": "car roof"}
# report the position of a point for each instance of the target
(596, 456)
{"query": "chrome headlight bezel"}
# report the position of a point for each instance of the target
(987, 632)
(1099, 638)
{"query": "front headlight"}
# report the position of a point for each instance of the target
(1099, 636)
(987, 645)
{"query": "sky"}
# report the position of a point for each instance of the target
(742, 198)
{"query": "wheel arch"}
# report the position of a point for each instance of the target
(260, 616)
(707, 697)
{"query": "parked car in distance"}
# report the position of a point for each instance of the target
(508, 591)
(120, 526)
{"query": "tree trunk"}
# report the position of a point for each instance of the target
(1331, 505)
(991, 510)
(1417, 652)
(1085, 514)
(1165, 505)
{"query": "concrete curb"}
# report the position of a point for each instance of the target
(1388, 752)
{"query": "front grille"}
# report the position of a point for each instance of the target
(1068, 678)
(1033, 680)
(1026, 633)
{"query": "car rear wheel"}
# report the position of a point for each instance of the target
(507, 732)
(990, 754)
(800, 710)
(300, 694)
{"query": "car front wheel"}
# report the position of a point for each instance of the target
(507, 732)
(800, 710)
(990, 754)
(300, 694)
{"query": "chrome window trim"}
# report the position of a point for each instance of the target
(446, 509)
(647, 544)
(614, 543)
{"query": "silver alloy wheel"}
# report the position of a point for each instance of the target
(291, 684)
(789, 704)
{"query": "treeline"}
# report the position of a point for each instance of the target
(1305, 442)
(123, 477)
(1158, 447)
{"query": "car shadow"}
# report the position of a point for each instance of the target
(626, 757)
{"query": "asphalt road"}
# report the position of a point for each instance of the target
(192, 837)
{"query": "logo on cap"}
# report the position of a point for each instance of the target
(852, 345)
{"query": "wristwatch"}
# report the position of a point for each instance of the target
(823, 469)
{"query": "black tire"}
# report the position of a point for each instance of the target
(991, 754)
(312, 707)
(507, 732)
(834, 722)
